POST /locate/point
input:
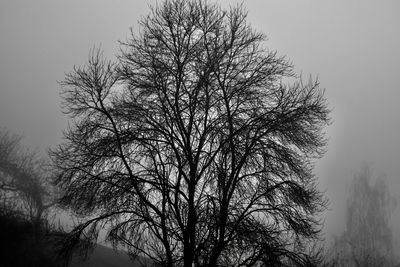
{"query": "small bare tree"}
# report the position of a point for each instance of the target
(191, 148)
(24, 182)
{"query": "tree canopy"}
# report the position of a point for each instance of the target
(196, 145)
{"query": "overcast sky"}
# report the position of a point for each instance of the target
(352, 46)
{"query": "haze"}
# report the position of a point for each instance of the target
(351, 46)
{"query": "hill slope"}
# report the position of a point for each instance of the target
(106, 257)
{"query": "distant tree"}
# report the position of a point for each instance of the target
(26, 235)
(367, 240)
(24, 182)
(191, 149)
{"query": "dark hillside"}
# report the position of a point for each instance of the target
(106, 257)
(23, 243)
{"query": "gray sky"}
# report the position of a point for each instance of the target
(352, 46)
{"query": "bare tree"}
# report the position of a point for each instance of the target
(367, 240)
(24, 183)
(193, 148)
(26, 198)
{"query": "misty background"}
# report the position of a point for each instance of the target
(351, 46)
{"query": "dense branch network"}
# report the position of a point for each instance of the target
(191, 148)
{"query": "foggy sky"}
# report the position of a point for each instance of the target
(353, 47)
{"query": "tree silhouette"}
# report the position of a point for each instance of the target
(193, 148)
